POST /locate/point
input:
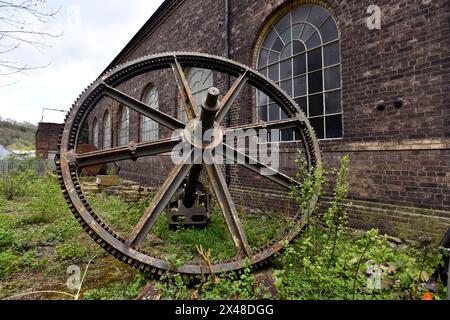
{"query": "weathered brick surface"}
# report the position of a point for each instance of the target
(47, 139)
(400, 158)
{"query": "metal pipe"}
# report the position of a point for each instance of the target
(228, 79)
(207, 117)
(226, 29)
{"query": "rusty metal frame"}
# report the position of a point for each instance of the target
(129, 250)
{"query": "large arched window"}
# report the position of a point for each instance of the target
(301, 53)
(95, 133)
(124, 126)
(107, 130)
(150, 129)
(200, 80)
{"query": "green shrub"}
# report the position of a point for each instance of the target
(7, 239)
(16, 183)
(331, 261)
(70, 251)
(11, 262)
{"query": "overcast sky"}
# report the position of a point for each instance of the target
(94, 32)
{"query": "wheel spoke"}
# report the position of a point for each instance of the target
(280, 125)
(258, 167)
(160, 202)
(229, 210)
(185, 91)
(230, 97)
(132, 151)
(154, 114)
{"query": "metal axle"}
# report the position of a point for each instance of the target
(207, 117)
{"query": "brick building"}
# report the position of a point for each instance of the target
(47, 139)
(325, 54)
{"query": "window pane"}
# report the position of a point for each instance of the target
(274, 73)
(286, 36)
(287, 86)
(315, 60)
(331, 54)
(278, 45)
(307, 32)
(302, 104)
(283, 23)
(333, 102)
(287, 51)
(262, 98)
(298, 47)
(95, 133)
(316, 105)
(123, 127)
(271, 36)
(262, 59)
(297, 30)
(286, 69)
(274, 112)
(273, 57)
(334, 127)
(300, 86)
(315, 82)
(287, 135)
(318, 125)
(299, 64)
(107, 130)
(318, 15)
(300, 13)
(314, 41)
(149, 129)
(262, 116)
(297, 134)
(329, 31)
(332, 78)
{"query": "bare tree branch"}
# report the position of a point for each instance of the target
(23, 22)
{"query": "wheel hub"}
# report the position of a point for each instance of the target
(209, 140)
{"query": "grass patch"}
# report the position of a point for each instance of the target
(181, 243)
(39, 238)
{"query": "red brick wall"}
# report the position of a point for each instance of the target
(47, 136)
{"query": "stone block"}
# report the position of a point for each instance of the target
(108, 181)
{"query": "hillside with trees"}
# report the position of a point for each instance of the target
(17, 135)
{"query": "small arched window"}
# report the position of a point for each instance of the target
(107, 130)
(150, 129)
(124, 126)
(301, 53)
(199, 80)
(95, 133)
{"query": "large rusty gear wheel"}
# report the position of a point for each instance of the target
(128, 249)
